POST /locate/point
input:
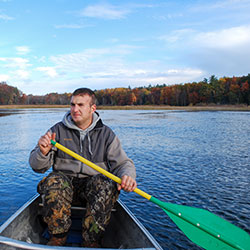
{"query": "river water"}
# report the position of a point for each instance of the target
(198, 159)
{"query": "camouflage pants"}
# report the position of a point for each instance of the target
(59, 191)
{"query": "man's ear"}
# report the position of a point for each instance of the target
(93, 107)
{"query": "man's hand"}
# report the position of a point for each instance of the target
(128, 184)
(45, 144)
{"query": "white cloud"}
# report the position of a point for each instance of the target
(91, 63)
(4, 78)
(216, 39)
(72, 26)
(92, 68)
(220, 52)
(22, 74)
(224, 39)
(5, 17)
(177, 36)
(113, 40)
(104, 11)
(15, 62)
(95, 68)
(222, 4)
(99, 67)
(22, 50)
(50, 71)
(140, 77)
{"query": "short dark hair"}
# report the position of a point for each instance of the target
(85, 91)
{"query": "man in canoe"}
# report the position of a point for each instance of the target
(82, 131)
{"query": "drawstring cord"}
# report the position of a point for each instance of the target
(89, 142)
(90, 149)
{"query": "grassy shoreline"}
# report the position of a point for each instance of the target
(142, 107)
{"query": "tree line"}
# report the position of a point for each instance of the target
(226, 90)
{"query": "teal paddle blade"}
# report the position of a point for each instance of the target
(205, 228)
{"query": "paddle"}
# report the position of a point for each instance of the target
(200, 226)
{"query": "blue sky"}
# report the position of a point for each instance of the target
(59, 45)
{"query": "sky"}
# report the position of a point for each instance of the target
(59, 45)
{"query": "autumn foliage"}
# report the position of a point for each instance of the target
(226, 90)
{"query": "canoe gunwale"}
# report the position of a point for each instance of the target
(17, 213)
(28, 246)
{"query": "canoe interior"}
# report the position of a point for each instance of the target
(123, 232)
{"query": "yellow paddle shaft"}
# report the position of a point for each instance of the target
(97, 168)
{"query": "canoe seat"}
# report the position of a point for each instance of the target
(76, 208)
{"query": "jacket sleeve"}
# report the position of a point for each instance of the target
(120, 164)
(39, 162)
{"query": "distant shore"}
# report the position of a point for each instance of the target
(142, 107)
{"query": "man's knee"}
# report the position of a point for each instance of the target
(55, 182)
(56, 192)
(101, 183)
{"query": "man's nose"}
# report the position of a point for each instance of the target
(75, 108)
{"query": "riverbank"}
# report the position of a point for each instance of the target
(142, 107)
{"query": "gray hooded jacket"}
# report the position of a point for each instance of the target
(97, 143)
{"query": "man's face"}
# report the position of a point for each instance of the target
(81, 110)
